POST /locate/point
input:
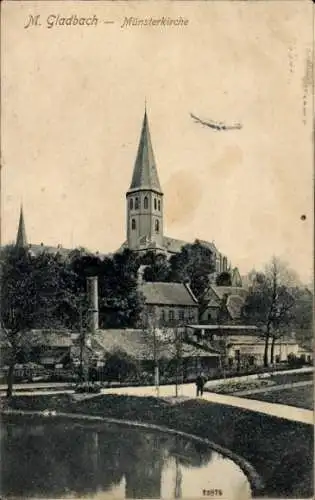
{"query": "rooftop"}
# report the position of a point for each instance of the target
(139, 343)
(160, 293)
(50, 338)
(220, 291)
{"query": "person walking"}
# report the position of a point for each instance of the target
(199, 385)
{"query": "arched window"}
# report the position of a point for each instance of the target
(136, 203)
(159, 205)
(157, 226)
(154, 203)
(133, 224)
(145, 202)
(131, 204)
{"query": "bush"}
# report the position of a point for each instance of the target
(88, 387)
(120, 366)
(294, 361)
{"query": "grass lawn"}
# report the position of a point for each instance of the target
(281, 451)
(302, 397)
(288, 378)
(252, 384)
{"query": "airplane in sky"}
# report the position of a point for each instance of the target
(216, 125)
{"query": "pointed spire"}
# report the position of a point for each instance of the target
(145, 174)
(21, 240)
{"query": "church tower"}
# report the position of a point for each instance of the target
(145, 198)
(21, 240)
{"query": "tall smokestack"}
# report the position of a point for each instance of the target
(92, 292)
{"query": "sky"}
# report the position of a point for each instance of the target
(72, 108)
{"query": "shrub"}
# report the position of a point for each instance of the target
(294, 361)
(120, 366)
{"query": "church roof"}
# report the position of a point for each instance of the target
(210, 245)
(159, 293)
(36, 250)
(145, 175)
(21, 240)
(173, 245)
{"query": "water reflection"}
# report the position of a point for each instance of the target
(68, 460)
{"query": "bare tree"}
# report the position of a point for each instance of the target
(281, 279)
(270, 303)
(167, 342)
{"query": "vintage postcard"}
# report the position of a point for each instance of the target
(156, 250)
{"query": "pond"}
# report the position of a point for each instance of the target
(57, 459)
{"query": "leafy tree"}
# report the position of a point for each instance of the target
(18, 304)
(55, 285)
(270, 303)
(121, 302)
(85, 265)
(37, 292)
(224, 279)
(194, 264)
(158, 267)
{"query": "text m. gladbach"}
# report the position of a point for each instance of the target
(57, 20)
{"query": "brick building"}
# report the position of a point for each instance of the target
(168, 304)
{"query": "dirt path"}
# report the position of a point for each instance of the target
(189, 390)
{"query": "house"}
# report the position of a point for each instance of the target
(45, 347)
(42, 349)
(168, 304)
(50, 348)
(305, 352)
(224, 304)
(242, 345)
(162, 345)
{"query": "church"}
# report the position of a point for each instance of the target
(144, 207)
(145, 214)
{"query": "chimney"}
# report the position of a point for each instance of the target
(92, 292)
